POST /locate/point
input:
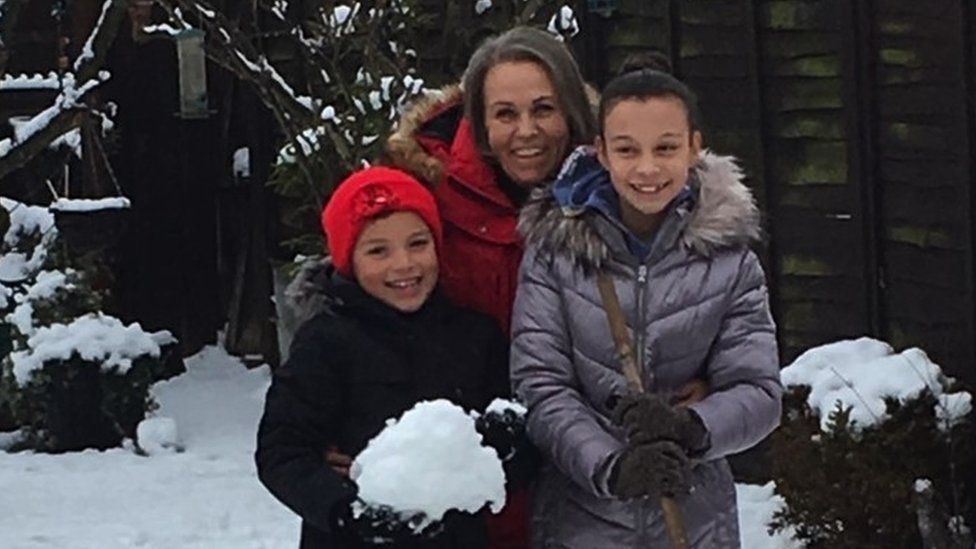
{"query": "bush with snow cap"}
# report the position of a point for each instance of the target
(429, 461)
(71, 377)
(861, 424)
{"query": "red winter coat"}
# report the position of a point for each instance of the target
(481, 251)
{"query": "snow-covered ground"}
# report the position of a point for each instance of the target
(205, 497)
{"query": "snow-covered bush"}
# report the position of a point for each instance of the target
(73, 377)
(861, 425)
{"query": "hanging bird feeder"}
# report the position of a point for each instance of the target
(193, 74)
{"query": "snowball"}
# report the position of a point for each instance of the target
(922, 485)
(157, 435)
(430, 460)
(481, 6)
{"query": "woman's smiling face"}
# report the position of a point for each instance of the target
(527, 129)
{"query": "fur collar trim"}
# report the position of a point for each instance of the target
(402, 148)
(725, 215)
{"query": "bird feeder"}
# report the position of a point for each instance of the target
(193, 74)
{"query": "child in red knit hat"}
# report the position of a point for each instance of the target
(385, 339)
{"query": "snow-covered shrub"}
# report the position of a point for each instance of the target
(861, 424)
(73, 377)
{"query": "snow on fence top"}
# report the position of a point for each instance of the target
(89, 205)
(30, 82)
(859, 374)
(430, 460)
(93, 337)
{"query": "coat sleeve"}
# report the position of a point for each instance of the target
(300, 415)
(742, 368)
(560, 422)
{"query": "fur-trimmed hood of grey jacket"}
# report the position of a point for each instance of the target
(697, 306)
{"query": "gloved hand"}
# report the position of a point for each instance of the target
(381, 524)
(648, 418)
(504, 431)
(660, 467)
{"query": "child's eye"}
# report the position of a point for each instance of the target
(376, 251)
(667, 148)
(624, 151)
(420, 243)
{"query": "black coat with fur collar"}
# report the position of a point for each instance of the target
(352, 366)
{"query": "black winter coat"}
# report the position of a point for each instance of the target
(352, 367)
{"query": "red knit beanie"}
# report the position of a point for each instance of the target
(368, 194)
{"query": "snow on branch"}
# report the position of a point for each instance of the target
(68, 110)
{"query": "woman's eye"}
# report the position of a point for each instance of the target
(667, 148)
(544, 109)
(420, 244)
(375, 251)
(624, 150)
(505, 115)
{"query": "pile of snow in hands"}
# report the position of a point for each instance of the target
(430, 461)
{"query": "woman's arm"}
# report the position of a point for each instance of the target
(560, 422)
(742, 368)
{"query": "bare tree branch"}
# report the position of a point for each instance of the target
(69, 109)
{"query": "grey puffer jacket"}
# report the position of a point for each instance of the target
(697, 307)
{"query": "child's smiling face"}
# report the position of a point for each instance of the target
(395, 260)
(649, 149)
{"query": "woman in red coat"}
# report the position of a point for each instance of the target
(523, 107)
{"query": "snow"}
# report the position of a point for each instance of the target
(15, 266)
(28, 82)
(27, 219)
(207, 497)
(430, 460)
(481, 6)
(46, 283)
(859, 374)
(163, 28)
(156, 435)
(94, 337)
(90, 205)
(501, 405)
(87, 51)
(242, 162)
(563, 23)
(756, 507)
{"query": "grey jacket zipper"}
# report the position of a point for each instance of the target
(639, 350)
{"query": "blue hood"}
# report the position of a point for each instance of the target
(583, 183)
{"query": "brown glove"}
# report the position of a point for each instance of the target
(653, 468)
(648, 418)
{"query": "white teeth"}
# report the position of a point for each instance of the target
(649, 188)
(404, 283)
(527, 153)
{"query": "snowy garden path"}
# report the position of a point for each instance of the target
(206, 497)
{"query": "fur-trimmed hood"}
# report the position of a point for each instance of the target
(724, 213)
(402, 147)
